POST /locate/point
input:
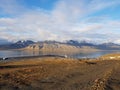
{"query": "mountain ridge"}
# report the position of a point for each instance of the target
(71, 44)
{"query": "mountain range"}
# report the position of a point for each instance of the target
(59, 46)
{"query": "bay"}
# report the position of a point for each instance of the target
(22, 53)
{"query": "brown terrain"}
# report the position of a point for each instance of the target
(55, 73)
(59, 48)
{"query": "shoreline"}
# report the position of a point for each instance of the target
(27, 57)
(45, 56)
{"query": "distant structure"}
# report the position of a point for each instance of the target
(65, 56)
(4, 58)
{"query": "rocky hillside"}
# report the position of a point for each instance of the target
(69, 46)
(57, 47)
(108, 46)
(16, 45)
(52, 47)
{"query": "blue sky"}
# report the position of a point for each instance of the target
(45, 4)
(91, 20)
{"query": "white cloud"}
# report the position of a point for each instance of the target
(117, 41)
(68, 20)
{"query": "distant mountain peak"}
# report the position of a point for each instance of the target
(109, 43)
(22, 43)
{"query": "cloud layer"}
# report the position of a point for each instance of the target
(67, 20)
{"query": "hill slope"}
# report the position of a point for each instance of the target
(57, 47)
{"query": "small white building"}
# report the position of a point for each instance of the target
(65, 56)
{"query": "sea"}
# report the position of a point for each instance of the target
(22, 53)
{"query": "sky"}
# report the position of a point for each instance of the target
(91, 20)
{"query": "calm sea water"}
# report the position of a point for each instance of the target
(18, 53)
